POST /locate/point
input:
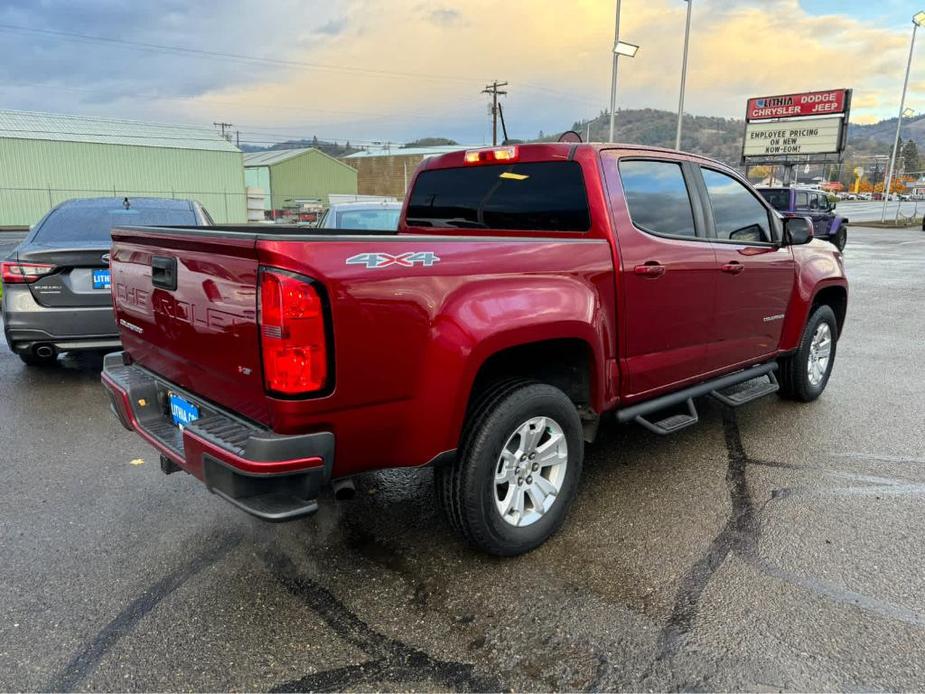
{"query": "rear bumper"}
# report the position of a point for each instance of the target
(26, 324)
(273, 477)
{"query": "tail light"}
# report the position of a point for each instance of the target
(293, 336)
(491, 156)
(14, 272)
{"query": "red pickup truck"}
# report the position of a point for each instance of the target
(530, 292)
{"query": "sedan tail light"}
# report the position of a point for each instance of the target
(293, 335)
(14, 272)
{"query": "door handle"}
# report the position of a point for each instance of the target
(651, 269)
(164, 272)
(733, 268)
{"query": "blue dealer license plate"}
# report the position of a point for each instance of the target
(182, 411)
(102, 279)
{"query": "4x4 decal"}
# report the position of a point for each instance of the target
(375, 261)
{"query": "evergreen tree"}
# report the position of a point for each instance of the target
(909, 153)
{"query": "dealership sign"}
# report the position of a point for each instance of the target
(826, 103)
(807, 136)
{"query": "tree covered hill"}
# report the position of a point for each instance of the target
(713, 136)
(721, 138)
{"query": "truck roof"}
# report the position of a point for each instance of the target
(539, 151)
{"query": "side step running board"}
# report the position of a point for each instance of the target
(714, 387)
(671, 423)
(735, 396)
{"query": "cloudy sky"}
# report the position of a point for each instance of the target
(376, 70)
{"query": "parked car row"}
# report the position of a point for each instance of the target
(57, 291)
(56, 284)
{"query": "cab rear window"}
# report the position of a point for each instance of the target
(540, 196)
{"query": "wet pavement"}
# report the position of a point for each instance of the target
(778, 546)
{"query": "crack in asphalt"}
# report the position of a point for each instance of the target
(740, 536)
(391, 660)
(739, 533)
(86, 659)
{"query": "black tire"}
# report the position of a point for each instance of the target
(840, 238)
(795, 383)
(466, 488)
(34, 360)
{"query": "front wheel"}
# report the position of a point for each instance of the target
(805, 373)
(840, 238)
(517, 471)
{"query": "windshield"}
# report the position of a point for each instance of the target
(778, 199)
(385, 218)
(543, 196)
(93, 224)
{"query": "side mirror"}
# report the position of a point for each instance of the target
(797, 231)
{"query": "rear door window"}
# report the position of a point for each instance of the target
(657, 197)
(737, 214)
(541, 196)
(802, 200)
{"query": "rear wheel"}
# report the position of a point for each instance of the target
(804, 374)
(35, 360)
(840, 238)
(518, 468)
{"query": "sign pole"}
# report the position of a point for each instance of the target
(899, 122)
(613, 78)
(687, 36)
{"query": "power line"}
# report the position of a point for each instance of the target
(249, 103)
(163, 48)
(147, 136)
(278, 139)
(182, 50)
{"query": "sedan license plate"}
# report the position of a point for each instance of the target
(182, 411)
(102, 279)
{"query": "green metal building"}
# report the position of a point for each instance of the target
(291, 177)
(48, 158)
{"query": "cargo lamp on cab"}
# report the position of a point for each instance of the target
(491, 156)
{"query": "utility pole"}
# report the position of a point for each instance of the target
(495, 93)
(224, 127)
(237, 139)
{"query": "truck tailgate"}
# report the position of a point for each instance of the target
(192, 319)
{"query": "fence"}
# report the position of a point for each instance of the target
(24, 206)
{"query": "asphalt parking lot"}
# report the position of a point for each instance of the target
(774, 547)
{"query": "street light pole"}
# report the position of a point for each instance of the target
(613, 78)
(687, 36)
(917, 21)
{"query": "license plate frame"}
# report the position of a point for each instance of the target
(182, 411)
(102, 279)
